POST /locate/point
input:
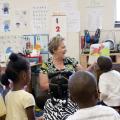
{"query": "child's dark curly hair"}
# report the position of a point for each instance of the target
(58, 88)
(104, 63)
(16, 64)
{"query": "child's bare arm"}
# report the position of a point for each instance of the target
(30, 113)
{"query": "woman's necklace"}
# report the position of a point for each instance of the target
(59, 64)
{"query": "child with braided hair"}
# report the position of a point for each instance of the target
(58, 106)
(19, 103)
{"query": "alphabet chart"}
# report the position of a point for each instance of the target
(40, 18)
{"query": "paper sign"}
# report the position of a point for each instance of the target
(97, 50)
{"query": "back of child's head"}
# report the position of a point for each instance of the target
(15, 66)
(58, 87)
(104, 63)
(83, 87)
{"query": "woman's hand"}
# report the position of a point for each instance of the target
(92, 67)
(79, 67)
(40, 118)
(43, 80)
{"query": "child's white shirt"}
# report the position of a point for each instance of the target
(97, 112)
(109, 85)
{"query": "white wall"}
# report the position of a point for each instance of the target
(108, 13)
(108, 31)
(73, 38)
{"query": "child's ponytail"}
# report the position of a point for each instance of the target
(5, 79)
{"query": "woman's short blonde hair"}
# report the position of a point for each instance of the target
(54, 43)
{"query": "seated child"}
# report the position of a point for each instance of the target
(59, 106)
(2, 108)
(83, 91)
(109, 83)
(19, 103)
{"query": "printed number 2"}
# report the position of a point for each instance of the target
(57, 28)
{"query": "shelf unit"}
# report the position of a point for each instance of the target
(84, 59)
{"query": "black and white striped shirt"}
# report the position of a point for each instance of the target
(58, 111)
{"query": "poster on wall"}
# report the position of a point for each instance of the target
(11, 43)
(73, 21)
(67, 5)
(6, 26)
(95, 3)
(21, 19)
(94, 18)
(73, 15)
(5, 12)
(44, 39)
(59, 26)
(5, 8)
(39, 18)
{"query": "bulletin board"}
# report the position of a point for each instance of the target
(40, 42)
(22, 22)
(19, 18)
(9, 44)
(17, 44)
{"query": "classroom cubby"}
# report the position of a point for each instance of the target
(84, 59)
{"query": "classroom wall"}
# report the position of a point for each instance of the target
(81, 5)
(108, 7)
(108, 16)
(72, 40)
(108, 31)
